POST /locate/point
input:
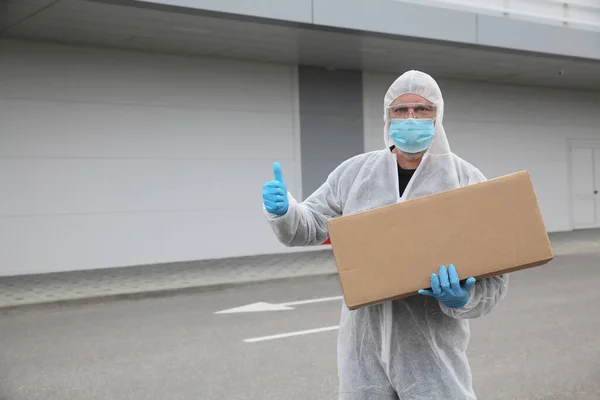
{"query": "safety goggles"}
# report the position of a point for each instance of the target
(411, 110)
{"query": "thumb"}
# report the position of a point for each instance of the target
(278, 173)
(470, 283)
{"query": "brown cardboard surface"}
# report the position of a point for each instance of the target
(483, 229)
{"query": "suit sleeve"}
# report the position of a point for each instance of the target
(305, 223)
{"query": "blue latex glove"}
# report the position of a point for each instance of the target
(275, 193)
(448, 289)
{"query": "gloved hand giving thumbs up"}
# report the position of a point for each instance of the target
(275, 193)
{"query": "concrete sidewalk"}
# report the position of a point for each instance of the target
(200, 275)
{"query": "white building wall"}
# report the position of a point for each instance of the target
(112, 158)
(503, 129)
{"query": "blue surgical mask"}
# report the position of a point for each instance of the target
(412, 135)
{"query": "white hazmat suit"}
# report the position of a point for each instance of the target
(414, 348)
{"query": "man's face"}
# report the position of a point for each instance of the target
(407, 99)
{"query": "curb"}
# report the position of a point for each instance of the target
(176, 291)
(156, 293)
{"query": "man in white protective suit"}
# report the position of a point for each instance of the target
(414, 348)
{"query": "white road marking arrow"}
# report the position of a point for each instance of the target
(262, 306)
(290, 334)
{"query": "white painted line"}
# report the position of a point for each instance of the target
(255, 307)
(310, 301)
(290, 334)
(263, 306)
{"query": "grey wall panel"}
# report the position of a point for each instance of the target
(397, 18)
(315, 170)
(523, 35)
(287, 10)
(331, 122)
(330, 136)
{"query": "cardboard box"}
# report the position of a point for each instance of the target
(483, 229)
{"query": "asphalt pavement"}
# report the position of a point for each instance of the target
(542, 342)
